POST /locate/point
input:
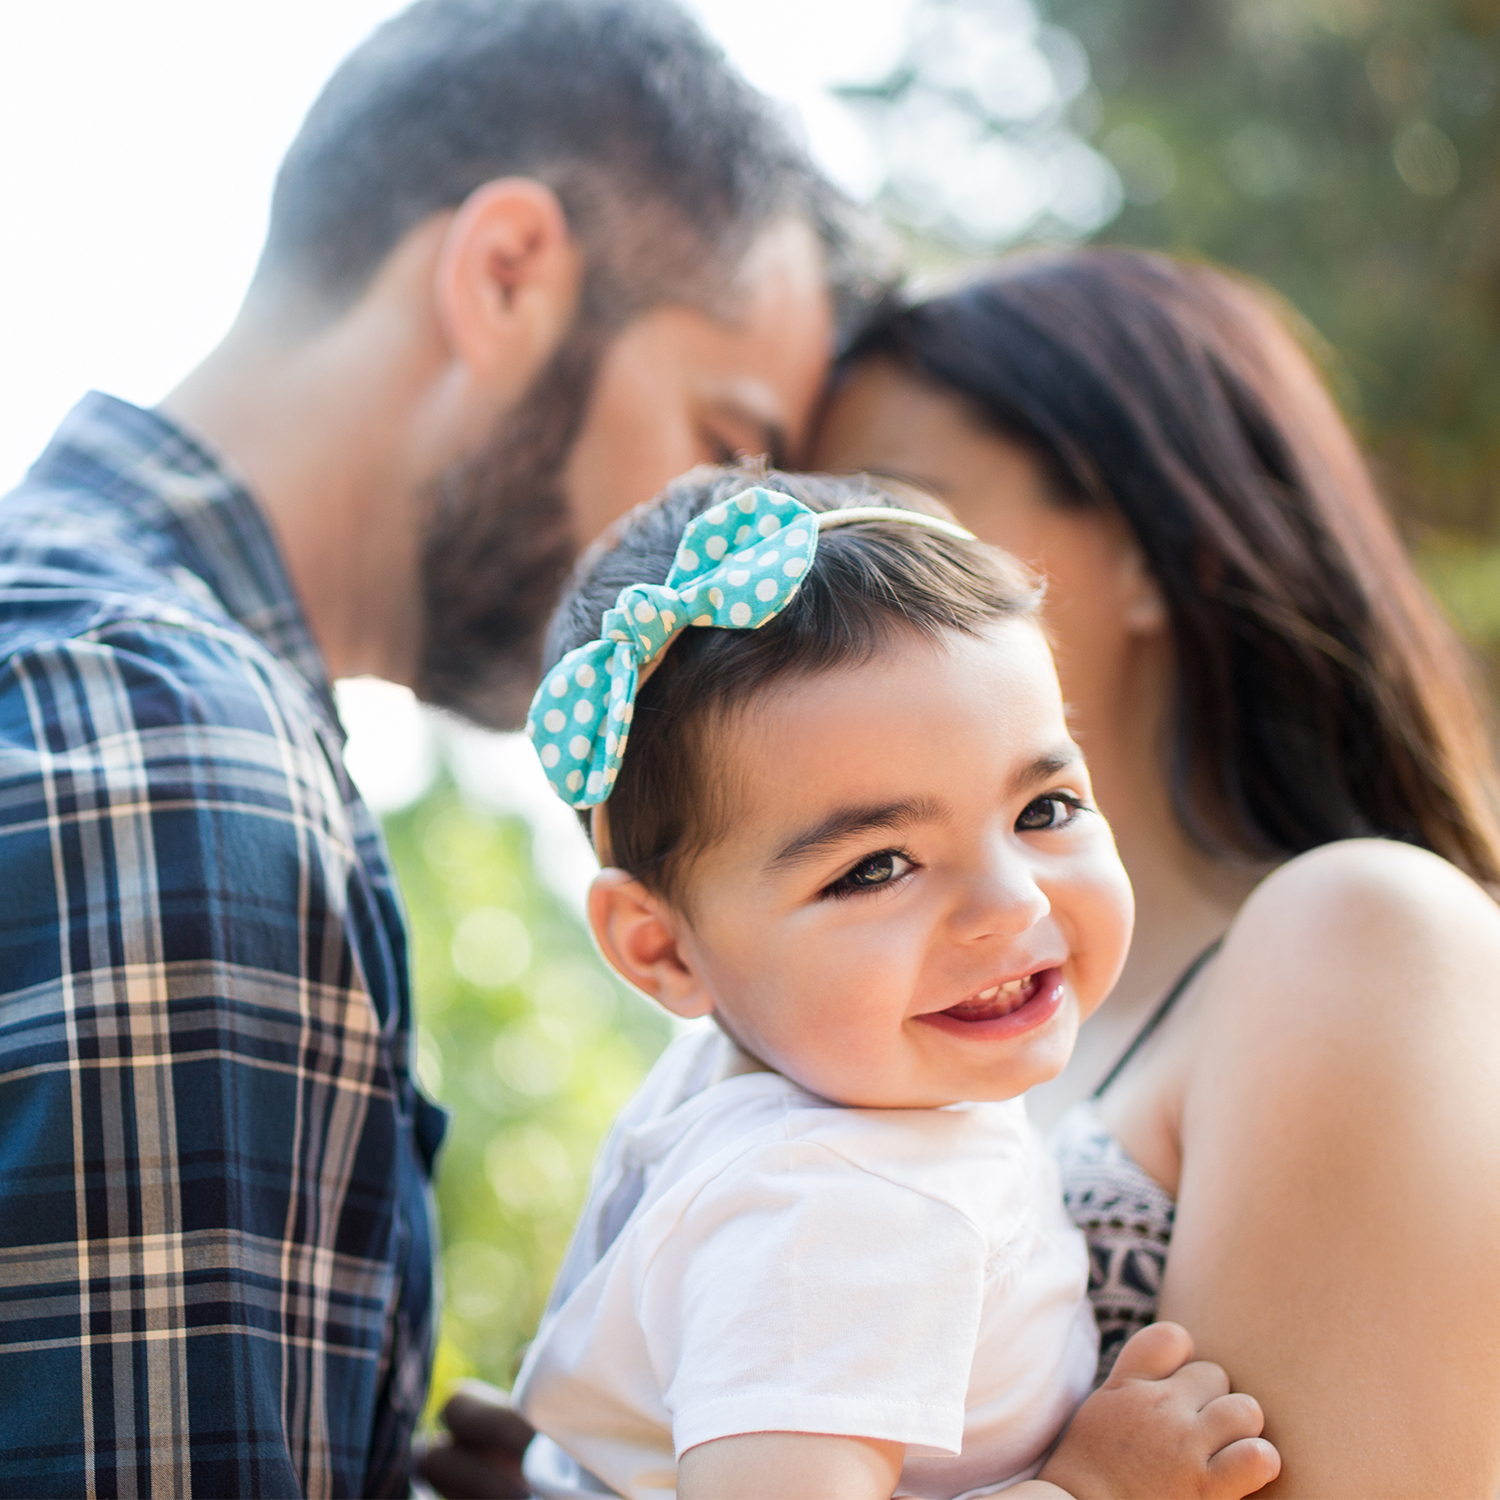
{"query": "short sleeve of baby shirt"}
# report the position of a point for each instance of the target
(800, 1292)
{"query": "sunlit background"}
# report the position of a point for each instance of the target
(1346, 151)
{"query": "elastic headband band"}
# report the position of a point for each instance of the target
(828, 519)
(737, 566)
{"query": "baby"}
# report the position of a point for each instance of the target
(823, 1253)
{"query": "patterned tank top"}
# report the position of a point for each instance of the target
(1125, 1215)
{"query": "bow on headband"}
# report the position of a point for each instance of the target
(737, 566)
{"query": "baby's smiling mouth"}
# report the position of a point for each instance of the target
(998, 1000)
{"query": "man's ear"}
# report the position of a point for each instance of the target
(507, 281)
(638, 935)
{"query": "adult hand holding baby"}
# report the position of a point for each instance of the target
(479, 1457)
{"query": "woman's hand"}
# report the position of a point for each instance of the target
(1163, 1425)
(479, 1458)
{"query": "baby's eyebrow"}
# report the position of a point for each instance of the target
(845, 822)
(1047, 765)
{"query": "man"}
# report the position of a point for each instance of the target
(527, 260)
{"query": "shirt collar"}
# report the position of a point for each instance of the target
(191, 508)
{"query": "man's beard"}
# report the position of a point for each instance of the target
(498, 543)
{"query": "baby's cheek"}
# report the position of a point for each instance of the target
(1103, 936)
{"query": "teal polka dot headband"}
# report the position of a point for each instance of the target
(737, 566)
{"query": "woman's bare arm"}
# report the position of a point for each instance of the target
(1338, 1223)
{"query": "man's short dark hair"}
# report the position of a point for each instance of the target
(667, 163)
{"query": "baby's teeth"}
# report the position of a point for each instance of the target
(1016, 985)
(990, 993)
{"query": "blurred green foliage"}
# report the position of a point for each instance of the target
(1347, 152)
(531, 1044)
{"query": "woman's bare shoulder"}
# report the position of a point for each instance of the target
(1357, 933)
(1338, 1139)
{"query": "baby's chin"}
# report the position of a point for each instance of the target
(925, 1073)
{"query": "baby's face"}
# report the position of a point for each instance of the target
(917, 903)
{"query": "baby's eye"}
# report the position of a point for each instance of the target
(1055, 810)
(871, 873)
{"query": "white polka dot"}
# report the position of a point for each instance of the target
(794, 567)
(667, 593)
(769, 525)
(579, 747)
(628, 715)
(704, 620)
(739, 614)
(747, 502)
(645, 611)
(558, 686)
(767, 558)
(574, 781)
(716, 598)
(742, 536)
(530, 729)
(584, 676)
(687, 558)
(739, 578)
(611, 742)
(668, 619)
(554, 720)
(618, 711)
(765, 590)
(717, 516)
(596, 783)
(583, 710)
(688, 595)
(716, 547)
(797, 538)
(617, 688)
(550, 756)
(618, 635)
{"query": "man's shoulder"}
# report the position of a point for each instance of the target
(83, 611)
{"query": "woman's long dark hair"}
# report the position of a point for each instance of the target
(1320, 694)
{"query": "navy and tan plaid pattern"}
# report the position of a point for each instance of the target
(215, 1243)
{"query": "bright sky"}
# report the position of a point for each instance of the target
(138, 143)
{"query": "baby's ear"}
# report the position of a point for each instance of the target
(637, 933)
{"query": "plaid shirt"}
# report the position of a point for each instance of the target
(215, 1243)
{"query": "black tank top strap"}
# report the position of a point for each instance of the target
(1157, 1016)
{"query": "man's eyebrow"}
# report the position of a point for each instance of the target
(845, 822)
(1047, 765)
(745, 404)
(771, 433)
(774, 435)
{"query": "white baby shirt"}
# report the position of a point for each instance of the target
(752, 1258)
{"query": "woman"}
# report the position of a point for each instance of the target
(1295, 1082)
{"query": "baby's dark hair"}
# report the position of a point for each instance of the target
(869, 582)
